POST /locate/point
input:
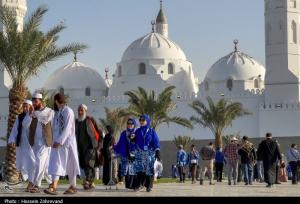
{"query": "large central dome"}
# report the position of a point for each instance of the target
(153, 46)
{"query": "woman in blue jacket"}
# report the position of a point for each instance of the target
(127, 149)
(148, 150)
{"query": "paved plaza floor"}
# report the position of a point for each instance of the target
(176, 190)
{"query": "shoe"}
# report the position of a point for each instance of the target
(149, 189)
(201, 182)
(211, 183)
(229, 183)
(246, 184)
(269, 186)
(250, 183)
(234, 183)
(277, 182)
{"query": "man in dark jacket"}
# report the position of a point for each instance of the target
(89, 138)
(248, 159)
(269, 152)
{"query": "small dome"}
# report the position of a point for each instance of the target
(75, 76)
(153, 46)
(238, 66)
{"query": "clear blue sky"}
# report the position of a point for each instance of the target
(204, 29)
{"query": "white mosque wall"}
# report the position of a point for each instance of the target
(239, 88)
(132, 82)
(280, 119)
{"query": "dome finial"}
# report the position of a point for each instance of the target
(236, 42)
(75, 55)
(161, 4)
(153, 24)
(106, 72)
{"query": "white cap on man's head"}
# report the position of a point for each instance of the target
(37, 96)
(234, 139)
(28, 102)
(84, 106)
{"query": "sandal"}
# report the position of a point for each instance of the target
(35, 189)
(50, 191)
(86, 186)
(29, 187)
(71, 190)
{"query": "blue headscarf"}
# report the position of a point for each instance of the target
(123, 146)
(149, 139)
(147, 126)
(134, 125)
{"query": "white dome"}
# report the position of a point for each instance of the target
(238, 66)
(75, 76)
(153, 46)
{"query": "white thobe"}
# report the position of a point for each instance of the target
(40, 148)
(64, 159)
(25, 158)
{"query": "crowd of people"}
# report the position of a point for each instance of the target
(263, 164)
(51, 144)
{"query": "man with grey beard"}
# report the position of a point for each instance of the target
(89, 139)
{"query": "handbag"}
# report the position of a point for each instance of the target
(193, 161)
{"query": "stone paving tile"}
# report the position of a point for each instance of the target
(177, 190)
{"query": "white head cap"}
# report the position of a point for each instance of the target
(37, 96)
(28, 102)
(83, 106)
(234, 139)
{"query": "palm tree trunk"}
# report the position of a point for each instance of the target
(17, 95)
(218, 140)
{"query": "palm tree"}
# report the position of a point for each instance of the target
(182, 140)
(22, 55)
(157, 107)
(116, 119)
(217, 116)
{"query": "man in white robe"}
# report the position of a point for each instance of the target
(64, 154)
(25, 158)
(40, 138)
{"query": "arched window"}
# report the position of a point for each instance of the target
(87, 91)
(62, 90)
(170, 68)
(294, 31)
(256, 84)
(229, 84)
(119, 71)
(142, 68)
(206, 85)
